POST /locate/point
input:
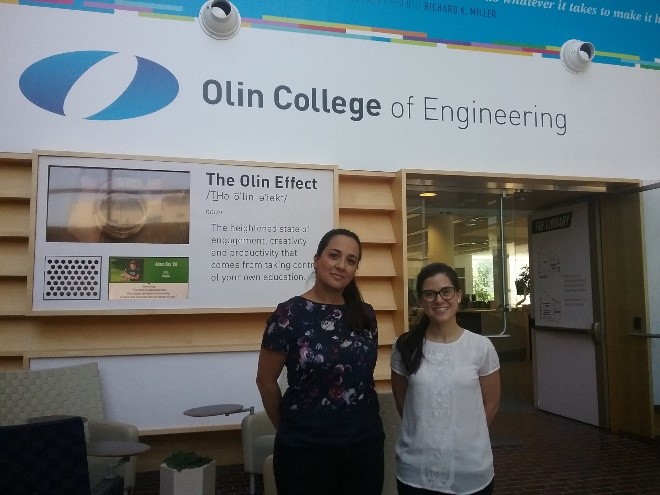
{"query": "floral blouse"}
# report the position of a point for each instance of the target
(331, 398)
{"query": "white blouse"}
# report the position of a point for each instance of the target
(444, 443)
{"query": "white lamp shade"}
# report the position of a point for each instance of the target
(219, 19)
(577, 55)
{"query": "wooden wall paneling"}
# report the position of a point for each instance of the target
(372, 206)
(14, 218)
(377, 261)
(628, 357)
(400, 252)
(13, 299)
(132, 334)
(379, 293)
(14, 260)
(387, 327)
(382, 371)
(15, 177)
(372, 227)
(15, 192)
(366, 192)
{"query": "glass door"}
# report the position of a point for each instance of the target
(482, 233)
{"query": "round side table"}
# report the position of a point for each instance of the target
(217, 410)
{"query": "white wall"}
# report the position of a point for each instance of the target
(152, 391)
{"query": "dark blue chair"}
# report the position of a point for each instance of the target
(48, 458)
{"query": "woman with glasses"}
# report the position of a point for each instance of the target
(329, 438)
(446, 387)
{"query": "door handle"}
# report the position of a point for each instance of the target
(596, 332)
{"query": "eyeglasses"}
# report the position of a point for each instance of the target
(445, 293)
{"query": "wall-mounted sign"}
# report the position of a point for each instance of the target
(123, 234)
(561, 264)
(246, 103)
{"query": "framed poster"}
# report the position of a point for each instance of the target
(121, 233)
(561, 262)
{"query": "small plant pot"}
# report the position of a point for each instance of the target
(193, 481)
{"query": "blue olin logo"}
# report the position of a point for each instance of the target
(47, 82)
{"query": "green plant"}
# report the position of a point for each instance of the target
(186, 460)
(482, 282)
(523, 282)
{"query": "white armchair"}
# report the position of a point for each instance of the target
(258, 436)
(392, 426)
(270, 488)
(69, 390)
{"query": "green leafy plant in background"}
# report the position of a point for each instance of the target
(482, 282)
(186, 460)
(523, 282)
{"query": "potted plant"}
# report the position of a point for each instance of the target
(187, 473)
(523, 284)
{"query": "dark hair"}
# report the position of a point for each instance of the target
(356, 313)
(411, 343)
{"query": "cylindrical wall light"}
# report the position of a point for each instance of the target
(577, 55)
(219, 19)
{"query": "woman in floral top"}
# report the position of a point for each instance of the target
(329, 432)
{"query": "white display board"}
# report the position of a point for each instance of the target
(119, 234)
(367, 85)
(565, 363)
(561, 268)
(566, 375)
(152, 391)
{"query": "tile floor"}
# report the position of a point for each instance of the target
(556, 455)
(543, 454)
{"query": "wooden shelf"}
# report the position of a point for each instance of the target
(14, 260)
(378, 293)
(376, 262)
(13, 296)
(375, 228)
(16, 179)
(382, 371)
(386, 327)
(375, 194)
(14, 218)
(25, 158)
